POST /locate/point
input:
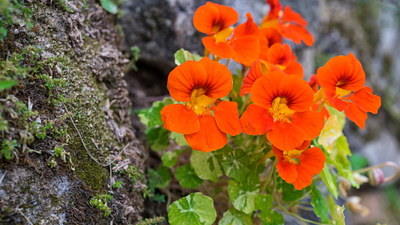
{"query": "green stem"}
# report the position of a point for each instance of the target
(299, 217)
(304, 203)
(389, 163)
(269, 176)
(294, 202)
(244, 70)
(320, 107)
(274, 185)
(227, 62)
(258, 149)
(305, 208)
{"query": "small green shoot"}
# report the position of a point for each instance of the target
(100, 202)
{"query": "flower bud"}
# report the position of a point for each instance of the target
(353, 203)
(360, 179)
(376, 177)
(344, 187)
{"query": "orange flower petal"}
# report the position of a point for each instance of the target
(294, 68)
(219, 78)
(247, 49)
(273, 36)
(275, 7)
(246, 28)
(324, 111)
(344, 72)
(227, 117)
(206, 17)
(299, 93)
(313, 159)
(178, 118)
(304, 178)
(296, 33)
(305, 145)
(356, 114)
(266, 88)
(337, 103)
(291, 16)
(259, 118)
(208, 138)
(254, 73)
(311, 122)
(279, 54)
(286, 170)
(221, 49)
(263, 48)
(367, 101)
(286, 136)
(184, 78)
(246, 125)
(227, 15)
(314, 83)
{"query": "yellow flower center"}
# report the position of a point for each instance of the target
(269, 23)
(199, 102)
(339, 91)
(279, 110)
(223, 35)
(292, 156)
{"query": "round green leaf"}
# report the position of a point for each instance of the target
(109, 6)
(193, 209)
(159, 178)
(243, 193)
(235, 162)
(255, 155)
(206, 165)
(179, 139)
(158, 138)
(264, 202)
(187, 177)
(235, 217)
(289, 193)
(183, 55)
(271, 217)
(152, 116)
(169, 159)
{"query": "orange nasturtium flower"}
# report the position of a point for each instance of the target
(215, 20)
(282, 109)
(298, 166)
(316, 106)
(289, 23)
(278, 58)
(204, 119)
(342, 81)
(268, 37)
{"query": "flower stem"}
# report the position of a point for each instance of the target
(389, 163)
(320, 106)
(227, 62)
(269, 176)
(299, 217)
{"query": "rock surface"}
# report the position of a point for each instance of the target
(71, 59)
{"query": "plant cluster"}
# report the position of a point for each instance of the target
(101, 202)
(276, 137)
(28, 63)
(150, 221)
(8, 10)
